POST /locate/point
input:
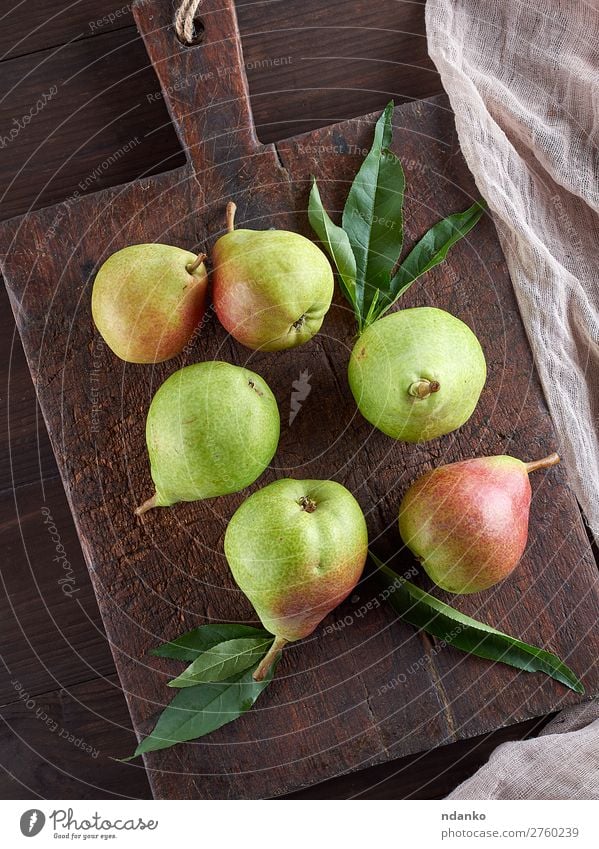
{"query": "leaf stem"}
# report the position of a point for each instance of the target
(269, 658)
(148, 504)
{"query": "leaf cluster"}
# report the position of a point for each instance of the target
(366, 249)
(216, 688)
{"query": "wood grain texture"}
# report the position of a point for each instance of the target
(50, 627)
(314, 64)
(428, 775)
(340, 702)
(62, 745)
(37, 758)
(60, 128)
(54, 23)
(25, 452)
(307, 64)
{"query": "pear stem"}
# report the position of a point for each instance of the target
(545, 463)
(193, 266)
(269, 658)
(147, 505)
(423, 388)
(231, 210)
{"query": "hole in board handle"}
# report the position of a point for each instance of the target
(198, 33)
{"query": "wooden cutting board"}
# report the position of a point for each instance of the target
(365, 688)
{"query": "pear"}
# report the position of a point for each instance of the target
(467, 522)
(271, 288)
(296, 549)
(212, 429)
(417, 374)
(147, 300)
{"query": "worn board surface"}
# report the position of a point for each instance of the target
(371, 689)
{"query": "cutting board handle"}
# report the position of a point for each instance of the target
(204, 85)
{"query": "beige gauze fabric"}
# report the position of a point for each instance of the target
(522, 78)
(562, 763)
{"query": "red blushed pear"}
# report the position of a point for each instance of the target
(296, 549)
(147, 301)
(467, 522)
(271, 288)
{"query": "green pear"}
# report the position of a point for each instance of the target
(417, 374)
(212, 429)
(271, 288)
(147, 300)
(296, 549)
(467, 522)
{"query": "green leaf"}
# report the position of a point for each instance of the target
(423, 610)
(432, 249)
(367, 249)
(196, 711)
(373, 215)
(223, 661)
(190, 645)
(337, 244)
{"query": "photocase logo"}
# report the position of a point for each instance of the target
(32, 822)
(301, 388)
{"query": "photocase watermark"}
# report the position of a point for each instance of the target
(32, 822)
(111, 18)
(90, 180)
(412, 166)
(372, 218)
(64, 824)
(50, 723)
(372, 604)
(565, 220)
(206, 319)
(300, 389)
(219, 73)
(422, 661)
(269, 62)
(68, 581)
(26, 119)
(100, 169)
(96, 823)
(322, 149)
(95, 382)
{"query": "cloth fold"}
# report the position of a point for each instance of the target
(561, 763)
(522, 80)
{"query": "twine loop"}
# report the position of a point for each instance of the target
(184, 18)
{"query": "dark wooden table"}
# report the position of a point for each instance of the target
(80, 111)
